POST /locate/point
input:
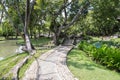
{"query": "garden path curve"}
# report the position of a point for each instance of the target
(50, 66)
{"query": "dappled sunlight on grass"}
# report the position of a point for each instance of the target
(85, 69)
(8, 63)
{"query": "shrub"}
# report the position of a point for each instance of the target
(102, 53)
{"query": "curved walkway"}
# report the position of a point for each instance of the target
(50, 66)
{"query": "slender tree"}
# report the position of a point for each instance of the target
(26, 34)
(25, 22)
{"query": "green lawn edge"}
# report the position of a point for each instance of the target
(84, 68)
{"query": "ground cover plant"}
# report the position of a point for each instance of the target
(103, 53)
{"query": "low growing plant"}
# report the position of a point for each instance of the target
(102, 53)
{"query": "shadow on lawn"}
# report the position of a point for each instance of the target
(79, 60)
(85, 65)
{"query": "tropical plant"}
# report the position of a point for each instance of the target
(104, 54)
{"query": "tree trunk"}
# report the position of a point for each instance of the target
(56, 39)
(26, 35)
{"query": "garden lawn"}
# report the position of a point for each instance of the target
(37, 42)
(85, 69)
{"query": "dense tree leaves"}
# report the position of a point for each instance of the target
(104, 15)
(62, 17)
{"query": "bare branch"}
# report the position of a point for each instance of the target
(65, 12)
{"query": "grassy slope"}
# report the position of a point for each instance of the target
(8, 63)
(85, 69)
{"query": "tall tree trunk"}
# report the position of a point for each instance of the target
(56, 39)
(26, 35)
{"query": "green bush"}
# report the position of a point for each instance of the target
(102, 53)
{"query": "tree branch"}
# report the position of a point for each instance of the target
(76, 17)
(65, 12)
(1, 17)
(62, 8)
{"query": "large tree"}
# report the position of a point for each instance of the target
(62, 19)
(60, 15)
(23, 19)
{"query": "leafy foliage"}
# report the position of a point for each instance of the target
(102, 53)
(104, 16)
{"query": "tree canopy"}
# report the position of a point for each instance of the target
(28, 18)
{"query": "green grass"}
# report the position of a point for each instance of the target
(7, 64)
(41, 41)
(116, 40)
(2, 38)
(99, 39)
(85, 69)
(37, 42)
(96, 38)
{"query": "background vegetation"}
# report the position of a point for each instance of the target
(61, 21)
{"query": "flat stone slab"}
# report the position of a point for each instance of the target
(50, 66)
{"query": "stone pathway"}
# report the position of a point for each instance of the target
(50, 66)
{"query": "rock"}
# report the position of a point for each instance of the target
(1, 58)
(20, 49)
